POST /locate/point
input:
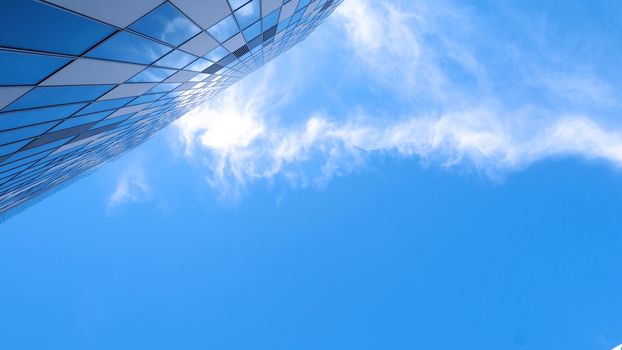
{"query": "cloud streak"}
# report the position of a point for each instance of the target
(460, 112)
(132, 187)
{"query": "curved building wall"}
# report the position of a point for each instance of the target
(82, 82)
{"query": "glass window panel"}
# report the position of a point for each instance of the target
(75, 121)
(224, 29)
(237, 3)
(283, 25)
(176, 59)
(248, 14)
(297, 16)
(18, 68)
(24, 133)
(271, 20)
(29, 24)
(199, 77)
(217, 54)
(146, 98)
(252, 32)
(152, 74)
(14, 168)
(112, 121)
(13, 147)
(302, 3)
(19, 119)
(46, 96)
(35, 150)
(164, 87)
(168, 24)
(104, 105)
(198, 65)
(129, 47)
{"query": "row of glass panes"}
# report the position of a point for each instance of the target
(128, 47)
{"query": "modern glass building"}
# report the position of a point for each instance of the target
(84, 81)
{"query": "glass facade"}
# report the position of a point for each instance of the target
(82, 82)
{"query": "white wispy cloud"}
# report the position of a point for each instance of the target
(131, 187)
(414, 53)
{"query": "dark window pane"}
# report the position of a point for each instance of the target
(28, 24)
(18, 68)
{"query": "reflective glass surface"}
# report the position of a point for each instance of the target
(56, 95)
(176, 59)
(152, 74)
(18, 68)
(224, 29)
(128, 47)
(167, 24)
(52, 135)
(30, 24)
(248, 14)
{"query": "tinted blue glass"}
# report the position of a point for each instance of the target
(152, 75)
(166, 23)
(199, 65)
(17, 68)
(45, 96)
(252, 32)
(224, 29)
(160, 103)
(283, 24)
(104, 105)
(14, 168)
(24, 133)
(164, 87)
(88, 118)
(217, 54)
(28, 24)
(297, 15)
(112, 120)
(13, 147)
(18, 119)
(35, 150)
(271, 20)
(302, 3)
(128, 47)
(176, 59)
(237, 3)
(248, 14)
(146, 98)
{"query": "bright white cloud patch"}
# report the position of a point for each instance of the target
(241, 136)
(132, 186)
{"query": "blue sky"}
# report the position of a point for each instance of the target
(416, 174)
